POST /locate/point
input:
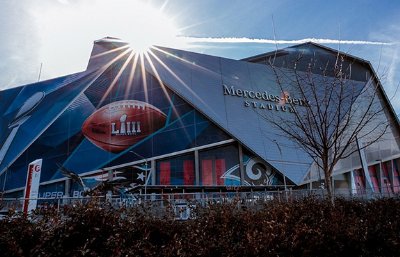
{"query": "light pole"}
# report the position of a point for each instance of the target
(280, 152)
(145, 170)
(284, 177)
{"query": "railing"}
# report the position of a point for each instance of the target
(180, 202)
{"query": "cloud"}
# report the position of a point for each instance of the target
(388, 63)
(271, 41)
(19, 61)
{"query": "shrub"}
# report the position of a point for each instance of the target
(309, 227)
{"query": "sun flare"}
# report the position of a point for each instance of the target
(144, 26)
(140, 23)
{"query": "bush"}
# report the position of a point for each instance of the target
(309, 227)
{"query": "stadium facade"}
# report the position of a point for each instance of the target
(170, 120)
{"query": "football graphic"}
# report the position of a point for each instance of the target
(119, 125)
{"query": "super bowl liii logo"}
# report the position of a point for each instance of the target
(125, 128)
(266, 101)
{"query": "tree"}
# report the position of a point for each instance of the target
(338, 112)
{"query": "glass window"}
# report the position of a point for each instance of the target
(386, 178)
(176, 171)
(220, 166)
(374, 177)
(396, 175)
(359, 180)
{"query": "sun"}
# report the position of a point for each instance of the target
(144, 26)
(141, 23)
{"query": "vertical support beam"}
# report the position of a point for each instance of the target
(153, 172)
(110, 174)
(381, 185)
(109, 192)
(392, 178)
(241, 165)
(363, 159)
(285, 186)
(197, 167)
(284, 182)
(67, 187)
(353, 186)
(5, 179)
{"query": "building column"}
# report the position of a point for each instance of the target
(153, 172)
(67, 187)
(197, 167)
(391, 175)
(353, 186)
(241, 165)
(363, 159)
(109, 179)
(380, 177)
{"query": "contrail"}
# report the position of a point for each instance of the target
(271, 41)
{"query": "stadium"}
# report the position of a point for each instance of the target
(169, 120)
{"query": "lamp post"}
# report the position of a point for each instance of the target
(280, 152)
(284, 177)
(145, 167)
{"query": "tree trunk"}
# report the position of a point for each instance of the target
(328, 186)
(328, 178)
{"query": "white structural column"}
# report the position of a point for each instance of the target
(241, 166)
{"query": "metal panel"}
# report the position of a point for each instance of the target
(205, 91)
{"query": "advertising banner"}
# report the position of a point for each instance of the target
(32, 185)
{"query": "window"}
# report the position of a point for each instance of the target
(220, 166)
(176, 171)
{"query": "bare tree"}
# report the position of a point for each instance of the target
(331, 113)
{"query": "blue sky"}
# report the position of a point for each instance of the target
(60, 33)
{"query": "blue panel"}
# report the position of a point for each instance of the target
(31, 118)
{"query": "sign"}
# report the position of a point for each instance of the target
(32, 186)
(265, 100)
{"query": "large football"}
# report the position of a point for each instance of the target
(119, 125)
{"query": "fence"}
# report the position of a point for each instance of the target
(181, 203)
